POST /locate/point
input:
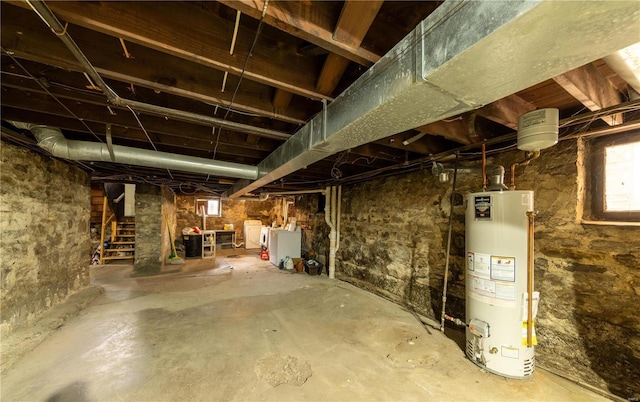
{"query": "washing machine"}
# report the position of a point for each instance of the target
(284, 243)
(252, 233)
(264, 236)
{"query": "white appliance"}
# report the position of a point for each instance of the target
(496, 282)
(264, 236)
(284, 243)
(252, 233)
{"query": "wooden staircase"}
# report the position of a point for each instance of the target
(123, 239)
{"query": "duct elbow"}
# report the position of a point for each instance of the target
(51, 140)
(22, 125)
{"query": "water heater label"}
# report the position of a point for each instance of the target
(503, 268)
(484, 287)
(482, 207)
(506, 291)
(482, 265)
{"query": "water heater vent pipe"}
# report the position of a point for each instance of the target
(497, 179)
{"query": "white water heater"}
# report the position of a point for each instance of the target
(497, 228)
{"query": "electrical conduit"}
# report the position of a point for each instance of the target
(446, 264)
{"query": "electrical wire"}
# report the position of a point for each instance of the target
(147, 134)
(142, 127)
(8, 53)
(336, 173)
(244, 68)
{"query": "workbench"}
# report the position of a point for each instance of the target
(219, 240)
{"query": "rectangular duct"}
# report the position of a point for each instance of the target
(463, 56)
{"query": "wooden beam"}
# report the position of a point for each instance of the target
(592, 89)
(102, 110)
(295, 18)
(352, 26)
(156, 126)
(281, 101)
(378, 152)
(334, 68)
(177, 76)
(506, 111)
(168, 27)
(457, 129)
(426, 146)
(355, 20)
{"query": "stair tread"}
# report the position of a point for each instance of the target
(131, 243)
(120, 250)
(118, 257)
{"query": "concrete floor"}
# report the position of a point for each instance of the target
(248, 331)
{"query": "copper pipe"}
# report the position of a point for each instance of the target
(530, 156)
(484, 167)
(531, 215)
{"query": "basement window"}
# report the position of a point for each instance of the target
(615, 178)
(211, 206)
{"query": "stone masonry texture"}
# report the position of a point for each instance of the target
(149, 223)
(234, 212)
(394, 240)
(44, 223)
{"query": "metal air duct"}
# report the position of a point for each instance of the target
(440, 70)
(626, 63)
(52, 140)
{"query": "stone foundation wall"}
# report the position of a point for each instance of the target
(394, 240)
(234, 212)
(315, 231)
(45, 208)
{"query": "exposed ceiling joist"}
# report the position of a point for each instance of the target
(177, 76)
(592, 89)
(121, 20)
(427, 77)
(506, 111)
(354, 22)
(180, 101)
(287, 16)
(95, 113)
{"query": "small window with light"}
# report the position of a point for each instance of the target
(208, 206)
(616, 178)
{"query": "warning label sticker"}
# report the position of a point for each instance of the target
(506, 290)
(484, 287)
(503, 268)
(492, 278)
(482, 265)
